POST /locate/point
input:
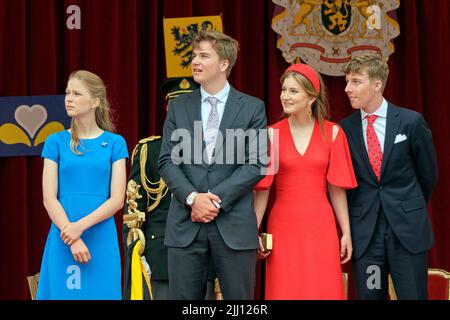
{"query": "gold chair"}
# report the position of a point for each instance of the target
(345, 279)
(392, 294)
(33, 285)
(438, 285)
(217, 291)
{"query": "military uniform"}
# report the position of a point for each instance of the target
(154, 202)
(148, 194)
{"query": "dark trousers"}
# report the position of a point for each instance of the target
(160, 290)
(188, 267)
(385, 254)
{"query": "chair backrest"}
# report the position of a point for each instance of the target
(438, 285)
(33, 285)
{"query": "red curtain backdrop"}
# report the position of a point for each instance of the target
(122, 41)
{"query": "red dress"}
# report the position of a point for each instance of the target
(305, 260)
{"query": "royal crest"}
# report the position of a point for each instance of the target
(327, 33)
(336, 15)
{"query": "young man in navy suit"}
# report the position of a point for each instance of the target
(211, 214)
(395, 165)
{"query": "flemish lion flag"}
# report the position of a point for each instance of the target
(178, 35)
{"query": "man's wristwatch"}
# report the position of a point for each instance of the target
(191, 198)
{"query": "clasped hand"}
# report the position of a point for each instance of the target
(71, 232)
(203, 209)
(80, 251)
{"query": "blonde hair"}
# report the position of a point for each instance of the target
(103, 117)
(225, 46)
(319, 107)
(374, 64)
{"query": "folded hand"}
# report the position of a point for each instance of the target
(203, 210)
(80, 251)
(71, 232)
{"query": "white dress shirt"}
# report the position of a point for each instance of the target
(379, 125)
(221, 96)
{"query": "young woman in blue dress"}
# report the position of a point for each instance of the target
(84, 181)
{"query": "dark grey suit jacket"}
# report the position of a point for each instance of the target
(408, 177)
(232, 182)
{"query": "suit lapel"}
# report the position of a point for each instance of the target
(194, 114)
(193, 107)
(232, 108)
(392, 125)
(360, 145)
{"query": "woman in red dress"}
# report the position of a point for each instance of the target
(314, 169)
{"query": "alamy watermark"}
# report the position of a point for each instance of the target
(374, 20)
(73, 281)
(238, 147)
(74, 20)
(374, 280)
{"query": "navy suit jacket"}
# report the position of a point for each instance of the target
(232, 182)
(408, 177)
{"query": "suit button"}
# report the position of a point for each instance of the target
(380, 187)
(153, 236)
(209, 169)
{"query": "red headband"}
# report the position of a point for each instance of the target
(308, 72)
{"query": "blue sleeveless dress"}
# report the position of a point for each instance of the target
(83, 185)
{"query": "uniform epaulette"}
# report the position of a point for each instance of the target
(156, 190)
(151, 138)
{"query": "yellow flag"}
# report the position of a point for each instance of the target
(178, 35)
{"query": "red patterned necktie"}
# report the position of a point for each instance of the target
(373, 146)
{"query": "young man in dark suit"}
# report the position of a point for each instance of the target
(395, 165)
(153, 199)
(211, 213)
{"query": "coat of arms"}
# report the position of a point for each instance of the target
(327, 33)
